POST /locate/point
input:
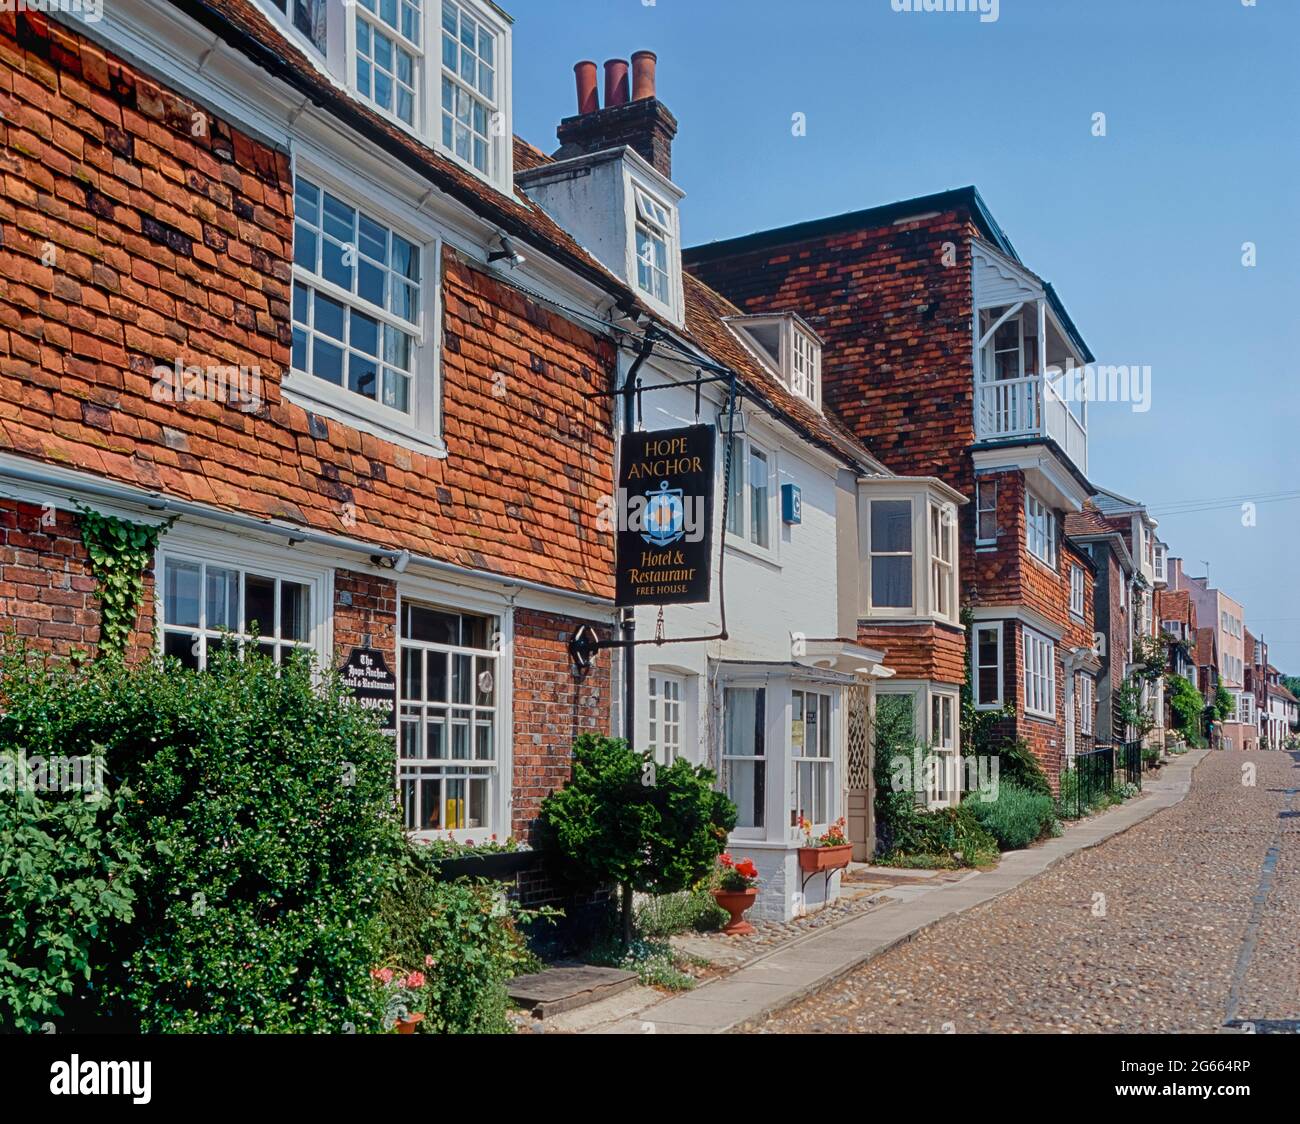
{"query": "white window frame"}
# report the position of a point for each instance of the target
(421, 427)
(762, 761)
(943, 787)
(739, 514)
(665, 715)
(942, 526)
(805, 366)
(1039, 654)
(910, 609)
(1077, 591)
(495, 771)
(986, 489)
(1086, 690)
(358, 12)
(823, 763)
(976, 667)
(191, 546)
(284, 18)
(500, 134)
(1040, 530)
(992, 351)
(654, 223)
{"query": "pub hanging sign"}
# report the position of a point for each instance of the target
(665, 516)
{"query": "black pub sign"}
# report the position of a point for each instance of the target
(665, 516)
(367, 675)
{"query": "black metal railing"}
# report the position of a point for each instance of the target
(1130, 763)
(1094, 777)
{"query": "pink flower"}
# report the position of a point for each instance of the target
(428, 961)
(384, 975)
(415, 980)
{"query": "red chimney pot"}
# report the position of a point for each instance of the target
(616, 85)
(588, 98)
(643, 75)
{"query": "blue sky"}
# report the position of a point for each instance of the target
(1141, 231)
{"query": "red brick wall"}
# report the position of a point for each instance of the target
(897, 325)
(552, 707)
(167, 246)
(365, 615)
(47, 593)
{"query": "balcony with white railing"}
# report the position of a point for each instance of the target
(1028, 408)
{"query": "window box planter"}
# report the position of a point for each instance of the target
(735, 902)
(813, 860)
(501, 867)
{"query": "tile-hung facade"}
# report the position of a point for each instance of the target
(251, 283)
(1131, 520)
(940, 353)
(1222, 653)
(1112, 615)
(779, 707)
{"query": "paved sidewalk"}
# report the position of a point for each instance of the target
(808, 964)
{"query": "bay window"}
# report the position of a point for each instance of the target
(1040, 530)
(908, 550)
(389, 59)
(208, 604)
(1040, 675)
(358, 318)
(744, 754)
(449, 726)
(986, 655)
(814, 766)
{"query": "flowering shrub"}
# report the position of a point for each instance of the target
(402, 992)
(736, 877)
(834, 836)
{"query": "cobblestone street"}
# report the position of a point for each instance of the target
(1188, 920)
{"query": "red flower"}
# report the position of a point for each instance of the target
(747, 869)
(725, 859)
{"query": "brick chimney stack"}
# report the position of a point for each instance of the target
(637, 119)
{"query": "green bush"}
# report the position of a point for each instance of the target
(264, 819)
(66, 872)
(1017, 818)
(465, 937)
(620, 819)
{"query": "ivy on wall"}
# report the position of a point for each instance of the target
(120, 551)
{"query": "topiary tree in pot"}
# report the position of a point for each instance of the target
(622, 819)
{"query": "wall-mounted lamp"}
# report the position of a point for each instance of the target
(507, 253)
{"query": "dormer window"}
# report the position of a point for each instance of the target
(788, 347)
(654, 231)
(469, 86)
(389, 60)
(306, 17)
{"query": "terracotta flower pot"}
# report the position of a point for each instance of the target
(408, 1025)
(813, 859)
(735, 902)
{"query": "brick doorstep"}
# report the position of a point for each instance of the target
(738, 1002)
